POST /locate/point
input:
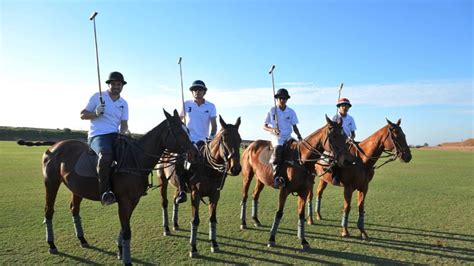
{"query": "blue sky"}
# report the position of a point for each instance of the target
(397, 58)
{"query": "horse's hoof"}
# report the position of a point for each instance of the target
(193, 254)
(271, 244)
(119, 256)
(305, 247)
(345, 234)
(166, 233)
(364, 236)
(128, 264)
(176, 228)
(53, 251)
(243, 226)
(85, 245)
(310, 222)
(319, 217)
(215, 249)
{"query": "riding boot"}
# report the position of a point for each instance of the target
(278, 180)
(335, 176)
(180, 174)
(104, 164)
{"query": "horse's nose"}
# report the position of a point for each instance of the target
(407, 157)
(235, 170)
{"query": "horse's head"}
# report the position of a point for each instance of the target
(336, 143)
(178, 140)
(396, 140)
(229, 145)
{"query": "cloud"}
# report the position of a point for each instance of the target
(387, 95)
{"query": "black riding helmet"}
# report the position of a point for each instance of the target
(116, 76)
(282, 93)
(198, 84)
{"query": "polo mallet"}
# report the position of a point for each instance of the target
(339, 96)
(275, 116)
(182, 90)
(92, 17)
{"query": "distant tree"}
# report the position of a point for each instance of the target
(425, 145)
(67, 130)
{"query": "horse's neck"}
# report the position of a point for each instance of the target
(152, 143)
(315, 141)
(372, 147)
(214, 148)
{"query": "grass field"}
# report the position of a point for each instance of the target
(421, 212)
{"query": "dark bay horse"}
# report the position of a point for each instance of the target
(220, 156)
(59, 163)
(297, 169)
(357, 177)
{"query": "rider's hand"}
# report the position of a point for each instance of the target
(210, 138)
(276, 131)
(99, 110)
(300, 138)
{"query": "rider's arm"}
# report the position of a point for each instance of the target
(213, 126)
(86, 115)
(124, 127)
(297, 132)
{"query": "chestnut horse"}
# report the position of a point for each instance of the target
(297, 169)
(358, 176)
(59, 163)
(220, 156)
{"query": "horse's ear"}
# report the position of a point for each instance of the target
(168, 116)
(389, 122)
(222, 122)
(399, 122)
(329, 121)
(237, 123)
(175, 113)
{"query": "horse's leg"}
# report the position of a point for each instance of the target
(52, 186)
(256, 195)
(319, 197)
(175, 213)
(301, 215)
(246, 180)
(164, 204)
(360, 222)
(195, 198)
(75, 207)
(126, 207)
(347, 208)
(213, 221)
(279, 214)
(309, 200)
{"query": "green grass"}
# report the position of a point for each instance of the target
(421, 212)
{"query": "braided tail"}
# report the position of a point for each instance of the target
(35, 143)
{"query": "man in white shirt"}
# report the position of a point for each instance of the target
(108, 118)
(348, 125)
(280, 124)
(200, 115)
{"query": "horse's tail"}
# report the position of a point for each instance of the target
(35, 143)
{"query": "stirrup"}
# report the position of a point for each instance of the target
(181, 197)
(278, 182)
(108, 198)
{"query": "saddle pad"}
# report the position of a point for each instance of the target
(86, 165)
(265, 156)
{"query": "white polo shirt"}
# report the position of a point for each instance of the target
(348, 123)
(286, 120)
(109, 121)
(199, 118)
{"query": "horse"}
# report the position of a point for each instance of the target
(297, 169)
(220, 156)
(59, 166)
(357, 177)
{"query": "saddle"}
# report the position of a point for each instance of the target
(86, 165)
(290, 155)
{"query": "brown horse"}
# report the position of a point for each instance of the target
(298, 170)
(358, 176)
(220, 156)
(59, 166)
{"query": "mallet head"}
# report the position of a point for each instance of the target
(271, 69)
(92, 17)
(179, 60)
